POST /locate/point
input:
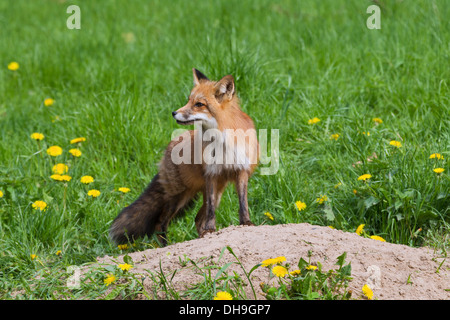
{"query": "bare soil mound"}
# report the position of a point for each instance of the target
(393, 271)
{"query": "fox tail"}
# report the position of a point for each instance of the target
(139, 218)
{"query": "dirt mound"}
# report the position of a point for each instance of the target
(393, 271)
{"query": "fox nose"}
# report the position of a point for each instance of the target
(174, 113)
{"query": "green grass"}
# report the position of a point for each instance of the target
(292, 61)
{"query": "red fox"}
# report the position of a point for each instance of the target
(197, 162)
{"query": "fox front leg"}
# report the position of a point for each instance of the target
(210, 207)
(241, 188)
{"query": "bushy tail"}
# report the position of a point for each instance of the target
(139, 218)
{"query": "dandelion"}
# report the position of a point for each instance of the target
(1, 194)
(122, 246)
(60, 168)
(223, 295)
(311, 268)
(54, 151)
(76, 140)
(41, 205)
(268, 215)
(94, 193)
(13, 66)
(436, 156)
(272, 261)
(313, 120)
(359, 230)
(331, 227)
(334, 136)
(377, 120)
(66, 177)
(295, 273)
(58, 253)
(33, 256)
(110, 278)
(377, 238)
(125, 266)
(37, 136)
(48, 102)
(394, 143)
(322, 199)
(75, 152)
(56, 177)
(124, 190)
(439, 170)
(364, 177)
(86, 179)
(279, 271)
(367, 292)
(300, 205)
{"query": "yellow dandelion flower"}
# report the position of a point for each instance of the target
(13, 66)
(48, 102)
(295, 273)
(60, 168)
(268, 262)
(331, 227)
(110, 278)
(41, 205)
(86, 179)
(33, 256)
(279, 271)
(125, 266)
(359, 230)
(124, 190)
(56, 177)
(75, 152)
(66, 177)
(280, 259)
(364, 177)
(122, 246)
(300, 205)
(94, 193)
(377, 238)
(322, 199)
(1, 194)
(37, 136)
(313, 120)
(223, 295)
(54, 151)
(58, 253)
(311, 268)
(436, 156)
(355, 191)
(377, 120)
(394, 143)
(76, 140)
(367, 292)
(439, 170)
(268, 215)
(334, 136)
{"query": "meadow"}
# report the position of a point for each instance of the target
(375, 155)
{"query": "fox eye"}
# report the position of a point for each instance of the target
(199, 105)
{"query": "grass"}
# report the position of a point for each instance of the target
(117, 79)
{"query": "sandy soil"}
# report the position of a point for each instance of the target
(392, 271)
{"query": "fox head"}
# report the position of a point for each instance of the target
(207, 99)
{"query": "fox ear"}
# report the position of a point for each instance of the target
(198, 76)
(225, 88)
